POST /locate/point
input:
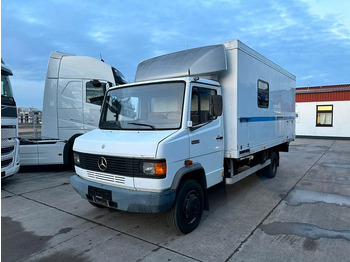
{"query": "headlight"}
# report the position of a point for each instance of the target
(152, 168)
(76, 159)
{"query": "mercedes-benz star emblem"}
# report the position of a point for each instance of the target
(102, 163)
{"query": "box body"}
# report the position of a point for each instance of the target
(248, 127)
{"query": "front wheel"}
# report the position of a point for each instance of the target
(187, 212)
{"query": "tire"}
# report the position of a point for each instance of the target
(271, 170)
(187, 211)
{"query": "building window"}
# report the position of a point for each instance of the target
(263, 94)
(324, 115)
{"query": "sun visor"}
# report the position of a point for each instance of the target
(202, 61)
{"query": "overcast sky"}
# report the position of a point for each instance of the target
(309, 38)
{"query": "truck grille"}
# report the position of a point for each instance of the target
(7, 150)
(121, 166)
(8, 132)
(106, 177)
(5, 163)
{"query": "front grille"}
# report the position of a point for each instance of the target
(5, 163)
(106, 177)
(7, 150)
(8, 132)
(121, 166)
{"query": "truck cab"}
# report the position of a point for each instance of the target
(151, 135)
(9, 126)
(73, 95)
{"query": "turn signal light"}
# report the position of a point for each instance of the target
(160, 169)
(188, 163)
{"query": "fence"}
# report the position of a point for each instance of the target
(29, 125)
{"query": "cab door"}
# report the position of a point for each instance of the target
(206, 133)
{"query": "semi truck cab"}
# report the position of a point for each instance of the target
(9, 126)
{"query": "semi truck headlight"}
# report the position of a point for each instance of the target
(151, 168)
(76, 159)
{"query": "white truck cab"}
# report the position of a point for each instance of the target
(73, 95)
(9, 126)
(177, 131)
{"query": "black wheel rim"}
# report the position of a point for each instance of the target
(191, 207)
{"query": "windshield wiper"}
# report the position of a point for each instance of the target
(110, 125)
(140, 124)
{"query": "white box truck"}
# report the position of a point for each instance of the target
(9, 126)
(191, 120)
(73, 94)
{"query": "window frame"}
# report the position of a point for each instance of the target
(200, 123)
(104, 88)
(324, 111)
(268, 94)
(103, 115)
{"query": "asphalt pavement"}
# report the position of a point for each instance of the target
(303, 214)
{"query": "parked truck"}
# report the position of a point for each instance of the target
(9, 126)
(73, 94)
(191, 120)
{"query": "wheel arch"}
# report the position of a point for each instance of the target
(193, 172)
(68, 149)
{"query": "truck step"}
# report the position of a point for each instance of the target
(245, 173)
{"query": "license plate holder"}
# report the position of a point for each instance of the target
(101, 201)
(100, 193)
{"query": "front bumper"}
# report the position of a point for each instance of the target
(127, 199)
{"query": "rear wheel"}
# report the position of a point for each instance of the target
(271, 170)
(187, 212)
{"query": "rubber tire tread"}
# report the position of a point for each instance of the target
(172, 214)
(268, 171)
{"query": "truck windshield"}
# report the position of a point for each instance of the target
(144, 107)
(118, 77)
(6, 91)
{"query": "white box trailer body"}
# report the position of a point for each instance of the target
(250, 128)
(190, 121)
(74, 91)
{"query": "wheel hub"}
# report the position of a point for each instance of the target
(192, 207)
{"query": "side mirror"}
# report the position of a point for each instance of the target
(216, 105)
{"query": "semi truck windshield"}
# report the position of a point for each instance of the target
(144, 107)
(6, 91)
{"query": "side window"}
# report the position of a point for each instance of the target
(263, 94)
(95, 93)
(324, 115)
(200, 105)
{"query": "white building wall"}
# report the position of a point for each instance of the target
(305, 123)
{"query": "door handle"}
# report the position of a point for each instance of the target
(219, 137)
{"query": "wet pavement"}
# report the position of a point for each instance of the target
(303, 214)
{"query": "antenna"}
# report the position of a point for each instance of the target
(102, 58)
